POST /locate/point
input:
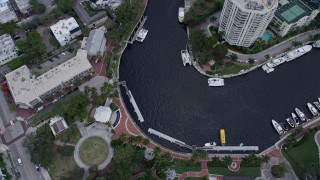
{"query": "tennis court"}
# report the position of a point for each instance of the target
(292, 13)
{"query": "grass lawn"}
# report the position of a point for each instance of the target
(231, 68)
(89, 10)
(181, 166)
(304, 157)
(64, 167)
(244, 171)
(192, 178)
(89, 149)
(70, 135)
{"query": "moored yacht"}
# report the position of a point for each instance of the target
(185, 57)
(298, 52)
(316, 44)
(316, 104)
(284, 126)
(290, 122)
(181, 14)
(295, 119)
(269, 66)
(210, 144)
(300, 114)
(276, 126)
(312, 109)
(216, 82)
(141, 35)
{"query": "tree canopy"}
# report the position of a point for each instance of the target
(37, 7)
(66, 5)
(8, 27)
(219, 52)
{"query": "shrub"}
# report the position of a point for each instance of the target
(66, 150)
(113, 107)
(278, 171)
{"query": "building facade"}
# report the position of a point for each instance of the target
(28, 90)
(66, 30)
(6, 12)
(293, 14)
(23, 5)
(243, 21)
(8, 49)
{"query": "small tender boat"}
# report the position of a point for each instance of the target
(278, 128)
(300, 114)
(316, 44)
(210, 144)
(316, 104)
(222, 137)
(284, 126)
(181, 14)
(185, 57)
(141, 35)
(290, 122)
(295, 119)
(216, 82)
(312, 109)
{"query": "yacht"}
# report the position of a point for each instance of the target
(181, 14)
(300, 114)
(295, 119)
(284, 127)
(312, 109)
(316, 104)
(269, 66)
(290, 122)
(141, 35)
(278, 128)
(210, 144)
(297, 52)
(316, 44)
(185, 57)
(216, 82)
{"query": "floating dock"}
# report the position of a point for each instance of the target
(166, 137)
(141, 23)
(229, 148)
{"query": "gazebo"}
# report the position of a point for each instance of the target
(102, 114)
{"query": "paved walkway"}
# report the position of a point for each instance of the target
(317, 139)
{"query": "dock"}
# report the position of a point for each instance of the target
(166, 137)
(133, 102)
(137, 30)
(229, 148)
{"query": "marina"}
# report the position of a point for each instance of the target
(295, 119)
(277, 127)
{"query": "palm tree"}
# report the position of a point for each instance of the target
(267, 56)
(213, 19)
(204, 178)
(265, 158)
(251, 61)
(123, 137)
(227, 160)
(233, 57)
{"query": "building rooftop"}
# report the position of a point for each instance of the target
(25, 87)
(6, 12)
(84, 16)
(4, 5)
(257, 6)
(95, 40)
(102, 114)
(57, 125)
(63, 28)
(293, 11)
(23, 5)
(7, 47)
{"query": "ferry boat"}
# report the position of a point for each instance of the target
(316, 104)
(141, 35)
(284, 127)
(216, 82)
(291, 122)
(210, 144)
(300, 114)
(269, 66)
(295, 119)
(312, 109)
(185, 57)
(278, 128)
(222, 137)
(297, 52)
(181, 14)
(316, 44)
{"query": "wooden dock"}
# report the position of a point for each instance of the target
(140, 26)
(229, 148)
(168, 138)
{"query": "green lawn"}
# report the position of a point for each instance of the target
(192, 178)
(244, 171)
(304, 158)
(231, 68)
(90, 11)
(70, 135)
(64, 167)
(94, 151)
(181, 166)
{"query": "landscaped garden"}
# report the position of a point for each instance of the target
(243, 171)
(94, 150)
(182, 166)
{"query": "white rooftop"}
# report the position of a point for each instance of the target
(258, 6)
(102, 114)
(23, 5)
(57, 125)
(7, 47)
(62, 28)
(25, 87)
(96, 42)
(4, 5)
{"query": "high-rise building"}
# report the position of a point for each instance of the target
(243, 21)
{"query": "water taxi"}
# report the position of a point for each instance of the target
(216, 82)
(181, 14)
(222, 137)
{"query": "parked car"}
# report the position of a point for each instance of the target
(20, 161)
(37, 167)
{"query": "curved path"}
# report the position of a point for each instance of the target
(317, 139)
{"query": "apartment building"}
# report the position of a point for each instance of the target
(8, 49)
(6, 12)
(243, 21)
(28, 90)
(292, 14)
(66, 30)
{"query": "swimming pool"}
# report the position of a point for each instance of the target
(266, 36)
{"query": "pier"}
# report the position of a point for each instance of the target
(133, 102)
(229, 148)
(166, 137)
(140, 26)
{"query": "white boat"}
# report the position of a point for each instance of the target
(298, 52)
(300, 114)
(278, 128)
(319, 100)
(269, 66)
(316, 104)
(316, 44)
(185, 57)
(290, 122)
(216, 82)
(210, 144)
(295, 119)
(284, 127)
(312, 109)
(141, 35)
(181, 14)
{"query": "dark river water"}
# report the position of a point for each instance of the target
(177, 100)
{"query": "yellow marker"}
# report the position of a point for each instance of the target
(222, 137)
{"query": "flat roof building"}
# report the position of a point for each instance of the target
(23, 5)
(28, 90)
(6, 12)
(292, 14)
(86, 19)
(8, 49)
(66, 30)
(57, 125)
(96, 42)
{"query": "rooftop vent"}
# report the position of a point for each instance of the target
(254, 6)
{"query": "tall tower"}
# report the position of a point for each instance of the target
(243, 21)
